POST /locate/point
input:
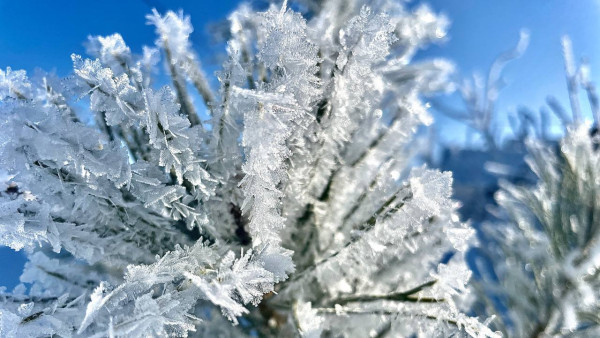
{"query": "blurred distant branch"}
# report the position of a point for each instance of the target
(479, 96)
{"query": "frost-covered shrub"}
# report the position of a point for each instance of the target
(545, 279)
(548, 259)
(291, 210)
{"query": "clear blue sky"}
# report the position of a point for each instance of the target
(44, 34)
(481, 29)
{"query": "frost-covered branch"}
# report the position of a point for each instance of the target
(296, 194)
(546, 253)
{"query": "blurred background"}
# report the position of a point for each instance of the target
(43, 34)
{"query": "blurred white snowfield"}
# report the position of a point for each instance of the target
(291, 210)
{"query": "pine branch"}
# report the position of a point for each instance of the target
(406, 296)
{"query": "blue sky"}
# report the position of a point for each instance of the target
(44, 34)
(481, 29)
